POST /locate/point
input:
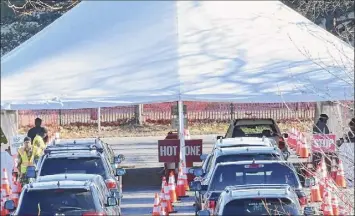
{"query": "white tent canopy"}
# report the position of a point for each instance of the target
(110, 53)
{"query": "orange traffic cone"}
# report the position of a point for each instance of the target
(5, 184)
(326, 206)
(16, 191)
(184, 177)
(163, 211)
(335, 205)
(169, 206)
(172, 188)
(327, 210)
(180, 186)
(15, 158)
(340, 178)
(163, 203)
(333, 169)
(322, 170)
(304, 151)
(156, 207)
(163, 182)
(298, 144)
(315, 192)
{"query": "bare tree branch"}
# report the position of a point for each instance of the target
(31, 6)
(337, 16)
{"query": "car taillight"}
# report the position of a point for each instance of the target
(111, 184)
(94, 214)
(211, 204)
(302, 198)
(303, 201)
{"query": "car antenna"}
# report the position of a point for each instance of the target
(58, 183)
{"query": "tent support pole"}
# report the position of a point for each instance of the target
(99, 120)
(181, 131)
(317, 111)
(17, 121)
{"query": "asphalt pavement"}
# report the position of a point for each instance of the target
(143, 177)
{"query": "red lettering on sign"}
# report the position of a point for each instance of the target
(324, 143)
(169, 150)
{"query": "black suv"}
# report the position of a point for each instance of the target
(257, 200)
(84, 161)
(245, 173)
(63, 197)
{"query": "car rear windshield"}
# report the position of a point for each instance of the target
(247, 157)
(254, 130)
(56, 201)
(275, 173)
(85, 165)
(260, 206)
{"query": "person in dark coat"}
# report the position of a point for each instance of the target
(321, 125)
(351, 134)
(37, 129)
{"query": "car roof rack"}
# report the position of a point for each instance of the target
(257, 186)
(61, 148)
(74, 143)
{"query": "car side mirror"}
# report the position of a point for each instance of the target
(120, 171)
(203, 213)
(309, 182)
(196, 171)
(122, 157)
(112, 201)
(197, 186)
(117, 160)
(285, 135)
(219, 137)
(31, 172)
(203, 157)
(9, 205)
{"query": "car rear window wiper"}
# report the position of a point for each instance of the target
(68, 208)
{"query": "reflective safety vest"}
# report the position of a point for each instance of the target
(39, 143)
(24, 158)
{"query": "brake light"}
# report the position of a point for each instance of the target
(111, 184)
(211, 204)
(302, 198)
(94, 214)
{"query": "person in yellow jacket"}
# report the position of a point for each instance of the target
(27, 154)
(39, 142)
